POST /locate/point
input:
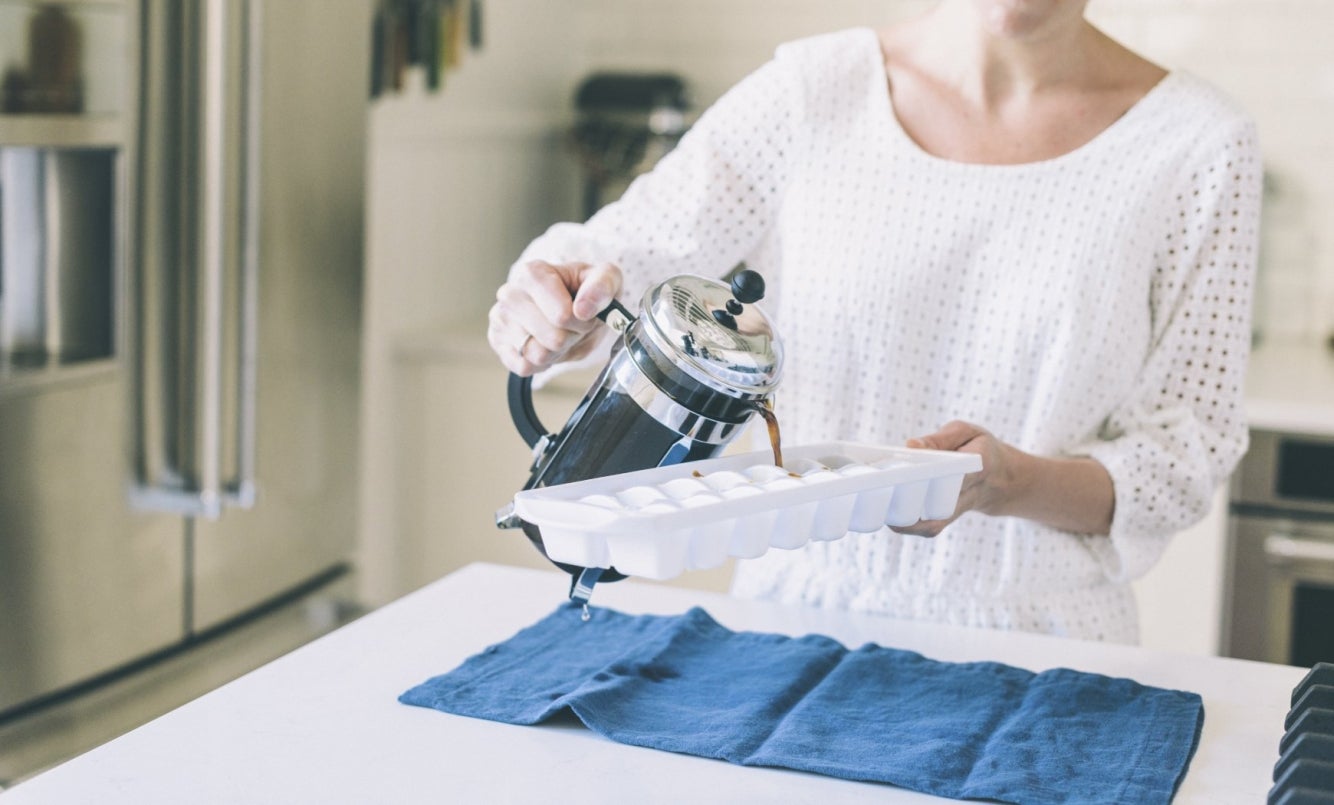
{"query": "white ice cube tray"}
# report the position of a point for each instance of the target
(660, 522)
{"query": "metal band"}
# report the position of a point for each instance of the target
(658, 404)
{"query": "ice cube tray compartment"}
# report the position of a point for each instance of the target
(660, 522)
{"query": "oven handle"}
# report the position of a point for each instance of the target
(1285, 549)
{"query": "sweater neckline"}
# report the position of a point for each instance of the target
(895, 126)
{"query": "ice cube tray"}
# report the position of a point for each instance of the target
(660, 522)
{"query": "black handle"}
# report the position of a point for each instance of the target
(616, 307)
(522, 411)
(520, 391)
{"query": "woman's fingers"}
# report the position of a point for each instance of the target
(523, 316)
(550, 288)
(509, 344)
(533, 323)
(954, 435)
(598, 286)
(922, 528)
(528, 343)
(951, 436)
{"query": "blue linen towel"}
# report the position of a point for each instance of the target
(978, 730)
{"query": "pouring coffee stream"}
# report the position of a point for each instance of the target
(766, 410)
(683, 379)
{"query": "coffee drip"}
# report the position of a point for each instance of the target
(766, 410)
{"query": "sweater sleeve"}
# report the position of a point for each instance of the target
(1181, 431)
(709, 202)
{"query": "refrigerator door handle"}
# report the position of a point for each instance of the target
(225, 161)
(241, 490)
(213, 233)
(198, 242)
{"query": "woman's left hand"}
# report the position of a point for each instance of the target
(986, 491)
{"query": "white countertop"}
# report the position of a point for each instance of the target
(322, 725)
(1290, 387)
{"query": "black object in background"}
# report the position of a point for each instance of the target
(1312, 625)
(626, 123)
(1304, 471)
(1304, 773)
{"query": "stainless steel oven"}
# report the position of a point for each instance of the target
(1280, 599)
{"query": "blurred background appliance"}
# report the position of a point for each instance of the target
(625, 123)
(180, 304)
(1280, 599)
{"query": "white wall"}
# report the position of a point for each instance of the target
(1274, 56)
(460, 180)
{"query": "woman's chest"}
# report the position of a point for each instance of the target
(1027, 252)
(1028, 295)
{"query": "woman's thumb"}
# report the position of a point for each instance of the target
(598, 286)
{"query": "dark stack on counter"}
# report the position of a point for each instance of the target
(1304, 774)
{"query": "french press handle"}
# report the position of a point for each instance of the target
(520, 389)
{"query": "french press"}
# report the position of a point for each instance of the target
(682, 380)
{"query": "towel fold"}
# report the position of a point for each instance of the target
(979, 730)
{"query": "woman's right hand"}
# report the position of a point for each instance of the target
(547, 313)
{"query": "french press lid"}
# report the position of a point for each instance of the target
(713, 333)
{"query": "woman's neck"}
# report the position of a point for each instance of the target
(978, 81)
(992, 58)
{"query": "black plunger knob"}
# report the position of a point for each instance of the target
(748, 286)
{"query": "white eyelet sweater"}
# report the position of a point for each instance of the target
(1094, 304)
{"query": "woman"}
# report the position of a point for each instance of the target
(993, 214)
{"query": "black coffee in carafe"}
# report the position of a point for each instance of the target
(682, 380)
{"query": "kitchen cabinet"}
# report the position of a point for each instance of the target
(1181, 599)
(1290, 387)
(323, 724)
(457, 457)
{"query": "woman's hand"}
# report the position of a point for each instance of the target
(1070, 494)
(547, 313)
(983, 491)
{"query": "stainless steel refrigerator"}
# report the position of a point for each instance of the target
(181, 199)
